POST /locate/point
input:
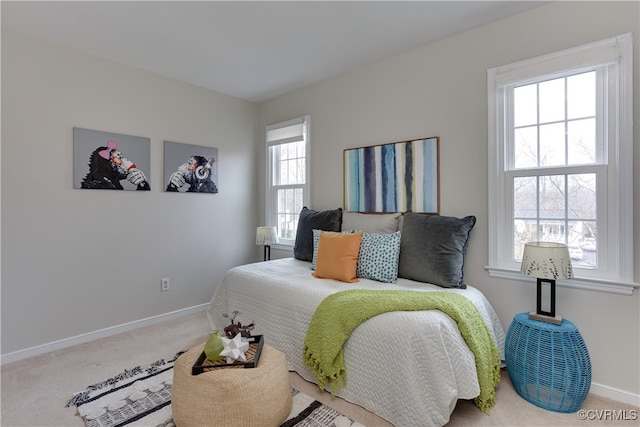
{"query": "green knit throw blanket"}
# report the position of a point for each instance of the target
(340, 313)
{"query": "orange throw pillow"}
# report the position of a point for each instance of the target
(338, 256)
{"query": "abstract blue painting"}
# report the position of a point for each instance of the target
(395, 177)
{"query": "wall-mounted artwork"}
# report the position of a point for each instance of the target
(112, 161)
(395, 177)
(190, 168)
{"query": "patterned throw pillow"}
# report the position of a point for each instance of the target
(378, 257)
(316, 239)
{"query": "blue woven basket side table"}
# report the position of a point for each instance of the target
(549, 364)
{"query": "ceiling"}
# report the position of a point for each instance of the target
(254, 50)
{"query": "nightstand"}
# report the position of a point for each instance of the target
(549, 364)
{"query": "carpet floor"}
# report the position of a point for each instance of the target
(36, 390)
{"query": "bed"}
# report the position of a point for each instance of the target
(409, 367)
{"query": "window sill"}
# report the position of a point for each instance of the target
(598, 285)
(283, 247)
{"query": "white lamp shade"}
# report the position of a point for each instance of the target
(266, 236)
(546, 260)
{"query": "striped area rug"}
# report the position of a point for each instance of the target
(142, 397)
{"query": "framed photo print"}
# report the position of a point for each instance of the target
(190, 168)
(110, 161)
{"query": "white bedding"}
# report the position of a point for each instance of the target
(408, 367)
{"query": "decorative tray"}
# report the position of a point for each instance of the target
(252, 354)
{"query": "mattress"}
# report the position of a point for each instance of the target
(409, 368)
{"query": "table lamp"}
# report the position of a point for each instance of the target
(266, 236)
(548, 262)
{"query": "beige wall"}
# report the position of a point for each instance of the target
(441, 90)
(79, 261)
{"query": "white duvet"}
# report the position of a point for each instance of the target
(408, 367)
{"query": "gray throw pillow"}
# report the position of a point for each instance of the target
(433, 248)
(330, 220)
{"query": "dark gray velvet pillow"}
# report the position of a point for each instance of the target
(433, 247)
(309, 219)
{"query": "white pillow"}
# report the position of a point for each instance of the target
(371, 222)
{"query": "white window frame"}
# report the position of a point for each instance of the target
(271, 202)
(615, 246)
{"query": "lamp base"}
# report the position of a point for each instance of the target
(556, 320)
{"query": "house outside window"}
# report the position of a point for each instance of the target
(287, 175)
(560, 162)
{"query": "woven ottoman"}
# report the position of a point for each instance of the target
(228, 397)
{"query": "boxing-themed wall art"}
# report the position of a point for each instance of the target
(190, 168)
(110, 161)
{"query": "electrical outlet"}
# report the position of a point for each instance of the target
(164, 284)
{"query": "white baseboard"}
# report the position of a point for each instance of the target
(91, 336)
(615, 394)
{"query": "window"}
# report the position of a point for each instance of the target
(561, 162)
(288, 175)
